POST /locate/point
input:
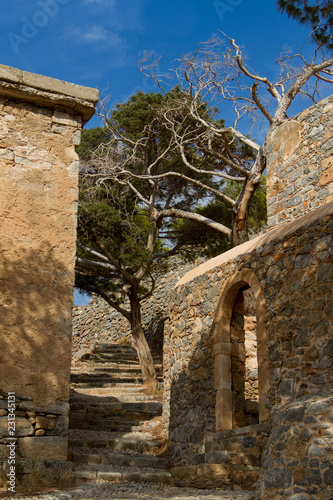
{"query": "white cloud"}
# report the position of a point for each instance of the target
(97, 34)
(94, 35)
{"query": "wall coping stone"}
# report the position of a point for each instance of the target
(243, 431)
(282, 231)
(49, 92)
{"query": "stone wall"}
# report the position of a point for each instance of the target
(300, 164)
(290, 273)
(98, 322)
(40, 125)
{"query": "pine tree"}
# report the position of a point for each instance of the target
(318, 14)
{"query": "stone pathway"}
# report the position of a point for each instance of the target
(115, 436)
(130, 491)
(115, 425)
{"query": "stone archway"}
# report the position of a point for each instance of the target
(222, 347)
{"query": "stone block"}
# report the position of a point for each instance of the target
(218, 457)
(57, 408)
(249, 442)
(244, 478)
(64, 119)
(22, 427)
(295, 414)
(61, 470)
(59, 427)
(278, 478)
(179, 473)
(41, 422)
(40, 432)
(196, 459)
(43, 447)
(307, 477)
(328, 475)
(214, 471)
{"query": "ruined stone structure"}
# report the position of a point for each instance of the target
(286, 275)
(300, 165)
(40, 125)
(98, 322)
(248, 347)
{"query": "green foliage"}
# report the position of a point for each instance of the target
(139, 111)
(316, 13)
(90, 140)
(139, 117)
(113, 219)
(113, 216)
(200, 240)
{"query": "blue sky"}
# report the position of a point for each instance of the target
(97, 43)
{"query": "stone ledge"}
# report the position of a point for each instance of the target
(250, 246)
(57, 408)
(49, 92)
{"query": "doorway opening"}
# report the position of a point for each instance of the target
(241, 372)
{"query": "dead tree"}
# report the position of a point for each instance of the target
(219, 74)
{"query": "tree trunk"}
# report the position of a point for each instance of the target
(140, 343)
(239, 232)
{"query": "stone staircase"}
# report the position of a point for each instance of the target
(115, 430)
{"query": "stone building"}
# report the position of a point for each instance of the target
(270, 428)
(40, 125)
(248, 347)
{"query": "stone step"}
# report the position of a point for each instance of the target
(108, 355)
(117, 458)
(104, 372)
(111, 415)
(80, 421)
(93, 434)
(117, 408)
(101, 378)
(115, 347)
(136, 475)
(139, 445)
(116, 360)
(106, 385)
(127, 389)
(110, 368)
(90, 398)
(113, 423)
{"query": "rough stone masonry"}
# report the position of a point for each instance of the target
(40, 125)
(289, 453)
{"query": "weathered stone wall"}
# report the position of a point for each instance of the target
(40, 124)
(98, 322)
(291, 273)
(300, 164)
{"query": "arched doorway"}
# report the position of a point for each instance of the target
(241, 298)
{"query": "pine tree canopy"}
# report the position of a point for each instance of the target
(318, 14)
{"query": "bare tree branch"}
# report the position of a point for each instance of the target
(90, 250)
(102, 265)
(181, 214)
